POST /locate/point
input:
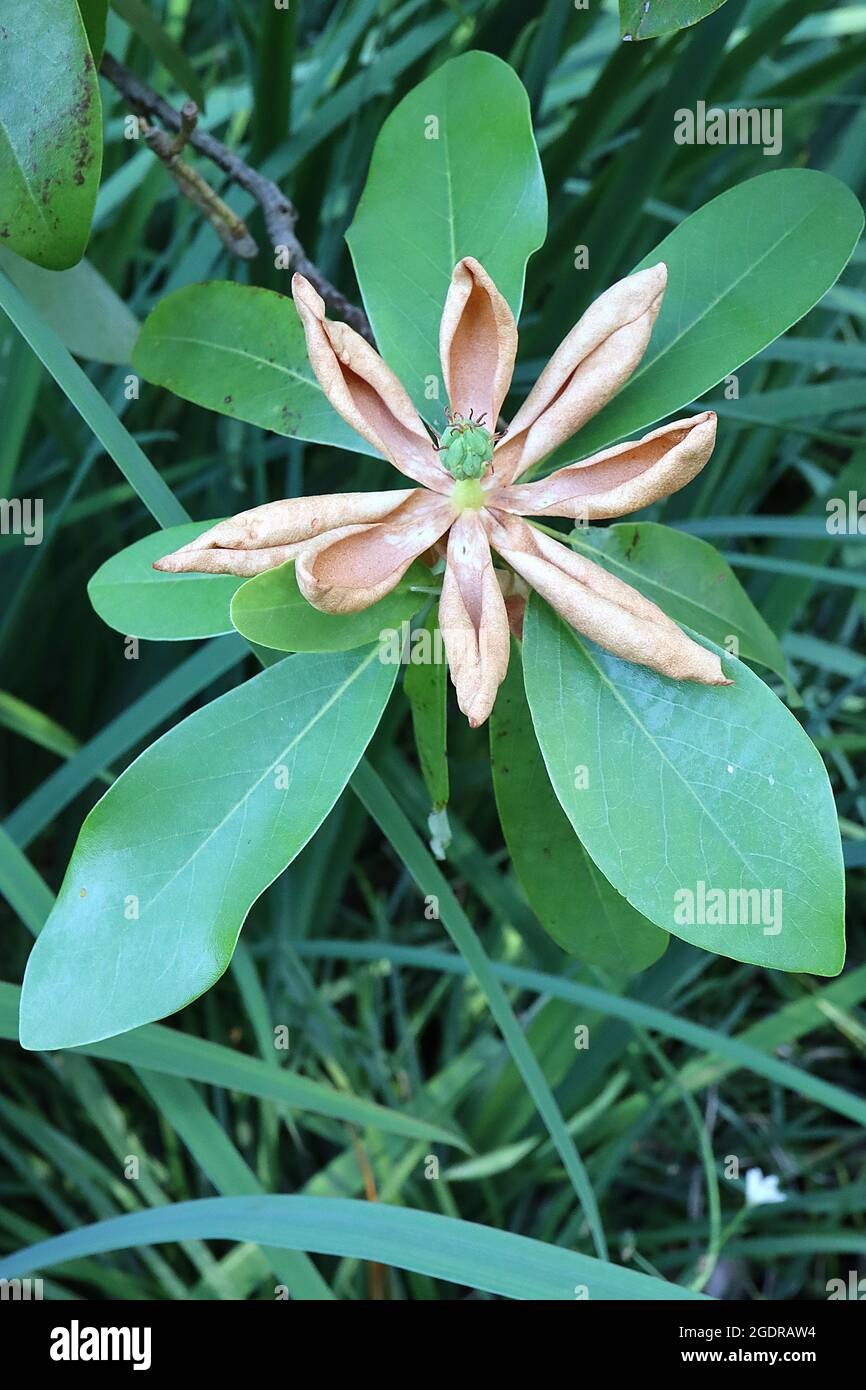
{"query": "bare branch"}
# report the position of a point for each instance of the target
(231, 229)
(279, 213)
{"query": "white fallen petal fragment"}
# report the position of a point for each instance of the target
(440, 832)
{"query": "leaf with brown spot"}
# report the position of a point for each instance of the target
(50, 132)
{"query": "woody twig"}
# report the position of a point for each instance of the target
(279, 213)
(231, 229)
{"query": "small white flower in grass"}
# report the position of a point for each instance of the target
(762, 1191)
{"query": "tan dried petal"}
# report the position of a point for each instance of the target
(366, 392)
(477, 343)
(587, 369)
(243, 563)
(353, 567)
(602, 607)
(266, 536)
(514, 534)
(619, 480)
(473, 619)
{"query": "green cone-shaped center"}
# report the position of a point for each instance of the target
(466, 449)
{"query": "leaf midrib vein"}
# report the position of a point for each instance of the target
(662, 755)
(242, 352)
(302, 733)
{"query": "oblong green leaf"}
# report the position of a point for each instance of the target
(455, 172)
(689, 579)
(741, 270)
(572, 900)
(443, 1247)
(139, 601)
(170, 861)
(695, 796)
(241, 351)
(271, 611)
(50, 134)
(79, 304)
(649, 19)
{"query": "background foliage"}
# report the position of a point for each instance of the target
(688, 1064)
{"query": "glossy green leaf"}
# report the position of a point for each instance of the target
(649, 19)
(79, 304)
(426, 686)
(572, 900)
(455, 172)
(443, 1247)
(708, 807)
(271, 611)
(50, 133)
(240, 350)
(170, 861)
(689, 579)
(741, 270)
(137, 600)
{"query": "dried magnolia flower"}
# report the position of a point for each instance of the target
(351, 549)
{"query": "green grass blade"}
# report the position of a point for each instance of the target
(181, 1105)
(394, 825)
(733, 1052)
(181, 1054)
(93, 409)
(443, 1247)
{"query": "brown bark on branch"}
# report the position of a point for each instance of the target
(279, 213)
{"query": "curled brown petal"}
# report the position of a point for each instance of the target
(602, 607)
(366, 392)
(244, 563)
(587, 369)
(353, 567)
(515, 607)
(622, 479)
(473, 619)
(512, 533)
(515, 592)
(266, 536)
(477, 343)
